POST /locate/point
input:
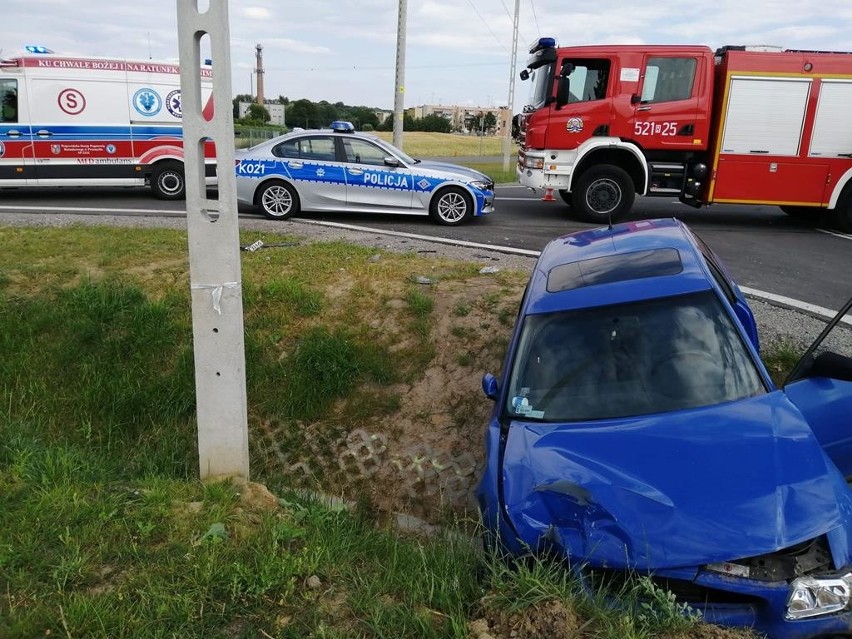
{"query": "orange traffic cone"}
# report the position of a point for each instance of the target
(548, 195)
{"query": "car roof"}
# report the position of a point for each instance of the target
(627, 262)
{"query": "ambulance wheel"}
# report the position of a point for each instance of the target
(278, 200)
(167, 181)
(603, 193)
(451, 206)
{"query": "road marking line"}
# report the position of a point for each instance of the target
(426, 238)
(81, 209)
(796, 304)
(834, 233)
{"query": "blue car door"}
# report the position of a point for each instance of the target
(820, 386)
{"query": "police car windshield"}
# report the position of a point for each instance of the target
(396, 152)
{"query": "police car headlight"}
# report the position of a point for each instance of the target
(813, 597)
(482, 185)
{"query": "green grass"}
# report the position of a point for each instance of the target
(105, 530)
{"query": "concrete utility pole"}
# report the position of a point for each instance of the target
(507, 131)
(399, 85)
(214, 250)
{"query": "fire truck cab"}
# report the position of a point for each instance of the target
(71, 121)
(605, 123)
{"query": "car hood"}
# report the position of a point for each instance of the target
(700, 486)
(446, 167)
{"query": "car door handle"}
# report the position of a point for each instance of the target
(295, 165)
(356, 172)
(44, 133)
(13, 133)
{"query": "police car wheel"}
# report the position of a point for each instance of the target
(603, 193)
(278, 200)
(168, 182)
(451, 206)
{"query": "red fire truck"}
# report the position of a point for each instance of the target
(735, 126)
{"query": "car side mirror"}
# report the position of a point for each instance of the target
(833, 366)
(391, 161)
(490, 386)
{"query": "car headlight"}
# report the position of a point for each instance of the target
(812, 597)
(482, 185)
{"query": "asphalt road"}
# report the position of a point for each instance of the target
(763, 247)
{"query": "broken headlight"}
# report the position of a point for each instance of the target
(813, 597)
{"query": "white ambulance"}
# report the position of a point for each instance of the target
(68, 121)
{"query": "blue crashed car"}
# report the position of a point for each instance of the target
(636, 430)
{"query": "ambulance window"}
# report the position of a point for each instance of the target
(588, 79)
(362, 152)
(8, 100)
(668, 79)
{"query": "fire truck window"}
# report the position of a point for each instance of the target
(668, 79)
(8, 100)
(589, 80)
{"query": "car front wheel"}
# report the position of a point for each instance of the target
(278, 200)
(603, 193)
(451, 206)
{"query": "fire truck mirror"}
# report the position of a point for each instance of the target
(525, 75)
(563, 86)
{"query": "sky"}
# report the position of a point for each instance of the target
(458, 52)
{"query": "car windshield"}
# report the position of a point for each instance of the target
(539, 87)
(395, 151)
(630, 359)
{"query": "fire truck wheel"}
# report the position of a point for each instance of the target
(841, 217)
(566, 196)
(603, 193)
(278, 200)
(451, 206)
(167, 181)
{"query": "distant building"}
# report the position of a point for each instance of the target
(276, 111)
(461, 116)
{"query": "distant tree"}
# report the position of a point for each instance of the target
(490, 121)
(327, 113)
(258, 112)
(303, 113)
(435, 123)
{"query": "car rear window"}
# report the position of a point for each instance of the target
(614, 268)
(622, 360)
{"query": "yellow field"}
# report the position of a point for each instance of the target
(425, 144)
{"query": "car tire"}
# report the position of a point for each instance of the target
(451, 206)
(278, 200)
(603, 194)
(168, 181)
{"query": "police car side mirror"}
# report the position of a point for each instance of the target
(391, 161)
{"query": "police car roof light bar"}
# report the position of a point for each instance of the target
(341, 126)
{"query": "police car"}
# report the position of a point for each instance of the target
(338, 169)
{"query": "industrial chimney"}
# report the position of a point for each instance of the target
(259, 70)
